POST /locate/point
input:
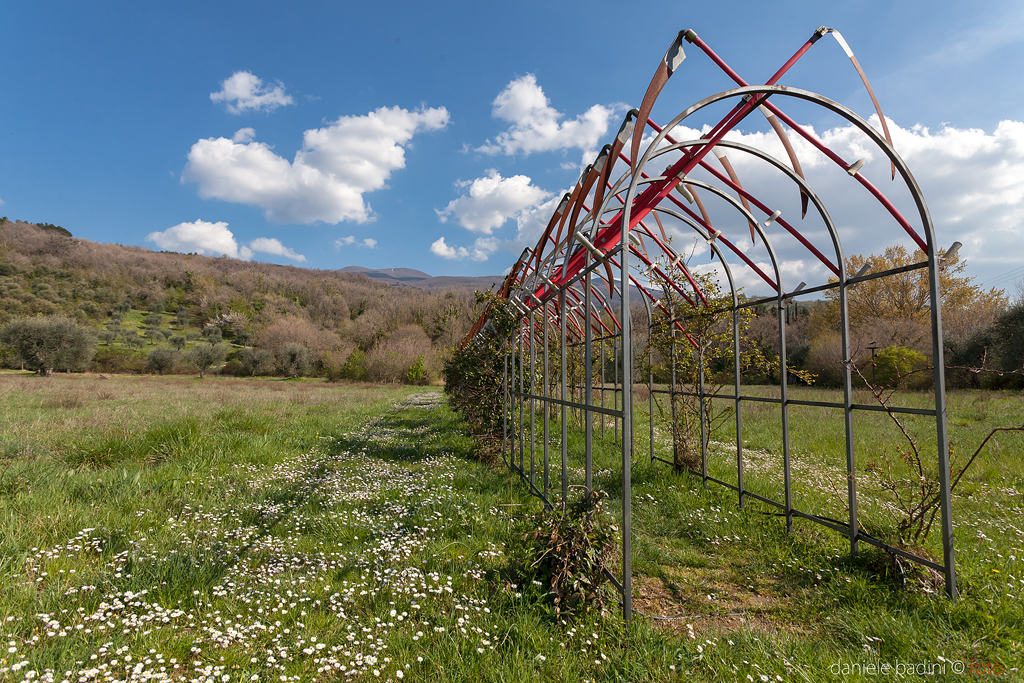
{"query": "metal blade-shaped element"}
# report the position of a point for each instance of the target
(700, 205)
(625, 130)
(781, 132)
(727, 165)
(611, 278)
(604, 158)
(661, 227)
(551, 224)
(863, 77)
(673, 58)
(574, 199)
(586, 182)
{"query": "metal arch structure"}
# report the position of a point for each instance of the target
(607, 238)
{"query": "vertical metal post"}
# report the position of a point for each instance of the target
(504, 403)
(627, 431)
(547, 406)
(942, 435)
(588, 383)
(616, 347)
(533, 391)
(783, 385)
(522, 338)
(650, 374)
(672, 388)
(703, 416)
(739, 416)
(601, 355)
(511, 398)
(565, 426)
(851, 462)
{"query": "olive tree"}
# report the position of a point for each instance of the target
(260, 362)
(206, 355)
(50, 343)
(162, 360)
(293, 360)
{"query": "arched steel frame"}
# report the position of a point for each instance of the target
(552, 287)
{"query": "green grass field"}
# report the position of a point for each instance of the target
(234, 530)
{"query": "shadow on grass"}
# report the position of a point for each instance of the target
(430, 433)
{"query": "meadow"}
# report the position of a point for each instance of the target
(170, 528)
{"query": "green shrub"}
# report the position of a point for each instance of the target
(473, 374)
(417, 372)
(1009, 332)
(567, 552)
(355, 366)
(234, 367)
(116, 360)
(894, 365)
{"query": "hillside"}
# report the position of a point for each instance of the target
(333, 314)
(421, 280)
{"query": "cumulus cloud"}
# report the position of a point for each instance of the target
(530, 223)
(491, 200)
(480, 251)
(972, 180)
(202, 237)
(535, 123)
(270, 245)
(326, 179)
(244, 92)
(488, 204)
(348, 241)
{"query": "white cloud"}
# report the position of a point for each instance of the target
(444, 251)
(328, 176)
(488, 204)
(492, 200)
(270, 245)
(202, 237)
(369, 243)
(535, 123)
(480, 251)
(531, 222)
(244, 92)
(972, 180)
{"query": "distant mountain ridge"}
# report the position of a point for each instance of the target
(421, 280)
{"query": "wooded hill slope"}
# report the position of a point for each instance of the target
(381, 330)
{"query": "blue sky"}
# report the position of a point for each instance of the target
(332, 134)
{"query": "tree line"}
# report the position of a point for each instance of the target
(144, 311)
(890, 329)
